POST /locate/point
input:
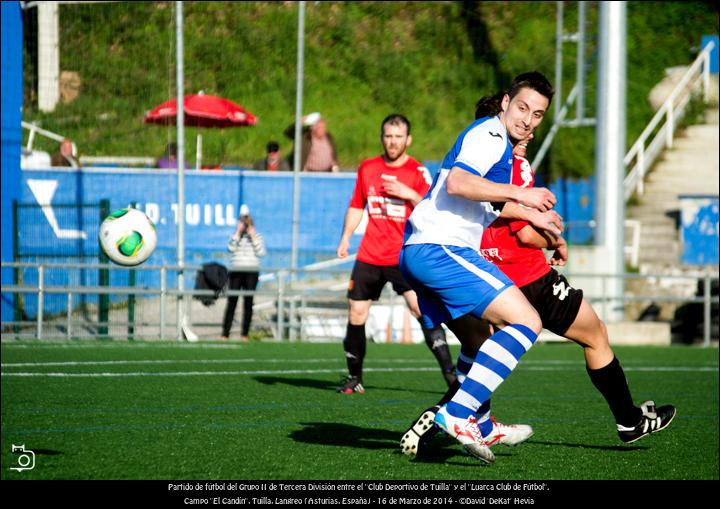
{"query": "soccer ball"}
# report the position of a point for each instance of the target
(128, 237)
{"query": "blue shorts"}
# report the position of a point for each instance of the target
(450, 281)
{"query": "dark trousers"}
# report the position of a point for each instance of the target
(240, 281)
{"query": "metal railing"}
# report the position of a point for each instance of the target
(292, 300)
(288, 291)
(147, 162)
(648, 145)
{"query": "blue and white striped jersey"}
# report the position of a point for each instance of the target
(482, 149)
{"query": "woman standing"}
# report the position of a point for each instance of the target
(246, 246)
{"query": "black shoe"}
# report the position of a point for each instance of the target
(652, 421)
(352, 384)
(419, 433)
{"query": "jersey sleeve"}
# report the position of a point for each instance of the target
(517, 225)
(481, 148)
(359, 199)
(422, 181)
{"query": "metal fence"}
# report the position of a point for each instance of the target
(287, 303)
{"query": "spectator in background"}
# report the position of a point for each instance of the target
(65, 155)
(318, 147)
(273, 161)
(169, 159)
(246, 246)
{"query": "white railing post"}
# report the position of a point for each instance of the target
(641, 165)
(280, 305)
(40, 299)
(293, 308)
(670, 124)
(69, 314)
(706, 76)
(163, 296)
(31, 139)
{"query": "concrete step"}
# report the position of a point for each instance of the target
(672, 188)
(658, 246)
(696, 153)
(653, 245)
(657, 212)
(685, 178)
(669, 233)
(665, 262)
(652, 211)
(683, 174)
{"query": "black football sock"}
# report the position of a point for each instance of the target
(611, 383)
(354, 345)
(436, 342)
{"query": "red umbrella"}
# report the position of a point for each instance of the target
(202, 111)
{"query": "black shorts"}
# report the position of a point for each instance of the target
(367, 281)
(555, 300)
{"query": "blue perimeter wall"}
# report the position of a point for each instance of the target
(212, 201)
(12, 35)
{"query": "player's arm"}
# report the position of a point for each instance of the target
(543, 240)
(529, 204)
(540, 239)
(353, 217)
(549, 222)
(397, 189)
(467, 185)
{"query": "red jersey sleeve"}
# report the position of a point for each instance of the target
(517, 225)
(422, 180)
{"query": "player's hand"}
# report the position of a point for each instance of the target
(539, 198)
(549, 221)
(342, 249)
(241, 226)
(560, 256)
(397, 189)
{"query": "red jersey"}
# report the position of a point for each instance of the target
(385, 230)
(500, 245)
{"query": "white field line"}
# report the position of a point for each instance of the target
(691, 369)
(213, 373)
(229, 361)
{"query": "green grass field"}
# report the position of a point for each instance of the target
(267, 411)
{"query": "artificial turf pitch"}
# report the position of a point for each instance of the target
(269, 411)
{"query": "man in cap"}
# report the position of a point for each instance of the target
(318, 151)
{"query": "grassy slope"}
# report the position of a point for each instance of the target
(430, 60)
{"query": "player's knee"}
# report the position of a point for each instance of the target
(598, 339)
(532, 321)
(358, 315)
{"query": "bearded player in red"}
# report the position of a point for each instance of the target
(517, 249)
(390, 185)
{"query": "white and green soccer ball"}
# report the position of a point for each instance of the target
(128, 237)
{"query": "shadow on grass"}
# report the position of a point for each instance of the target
(348, 435)
(298, 382)
(619, 448)
(325, 385)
